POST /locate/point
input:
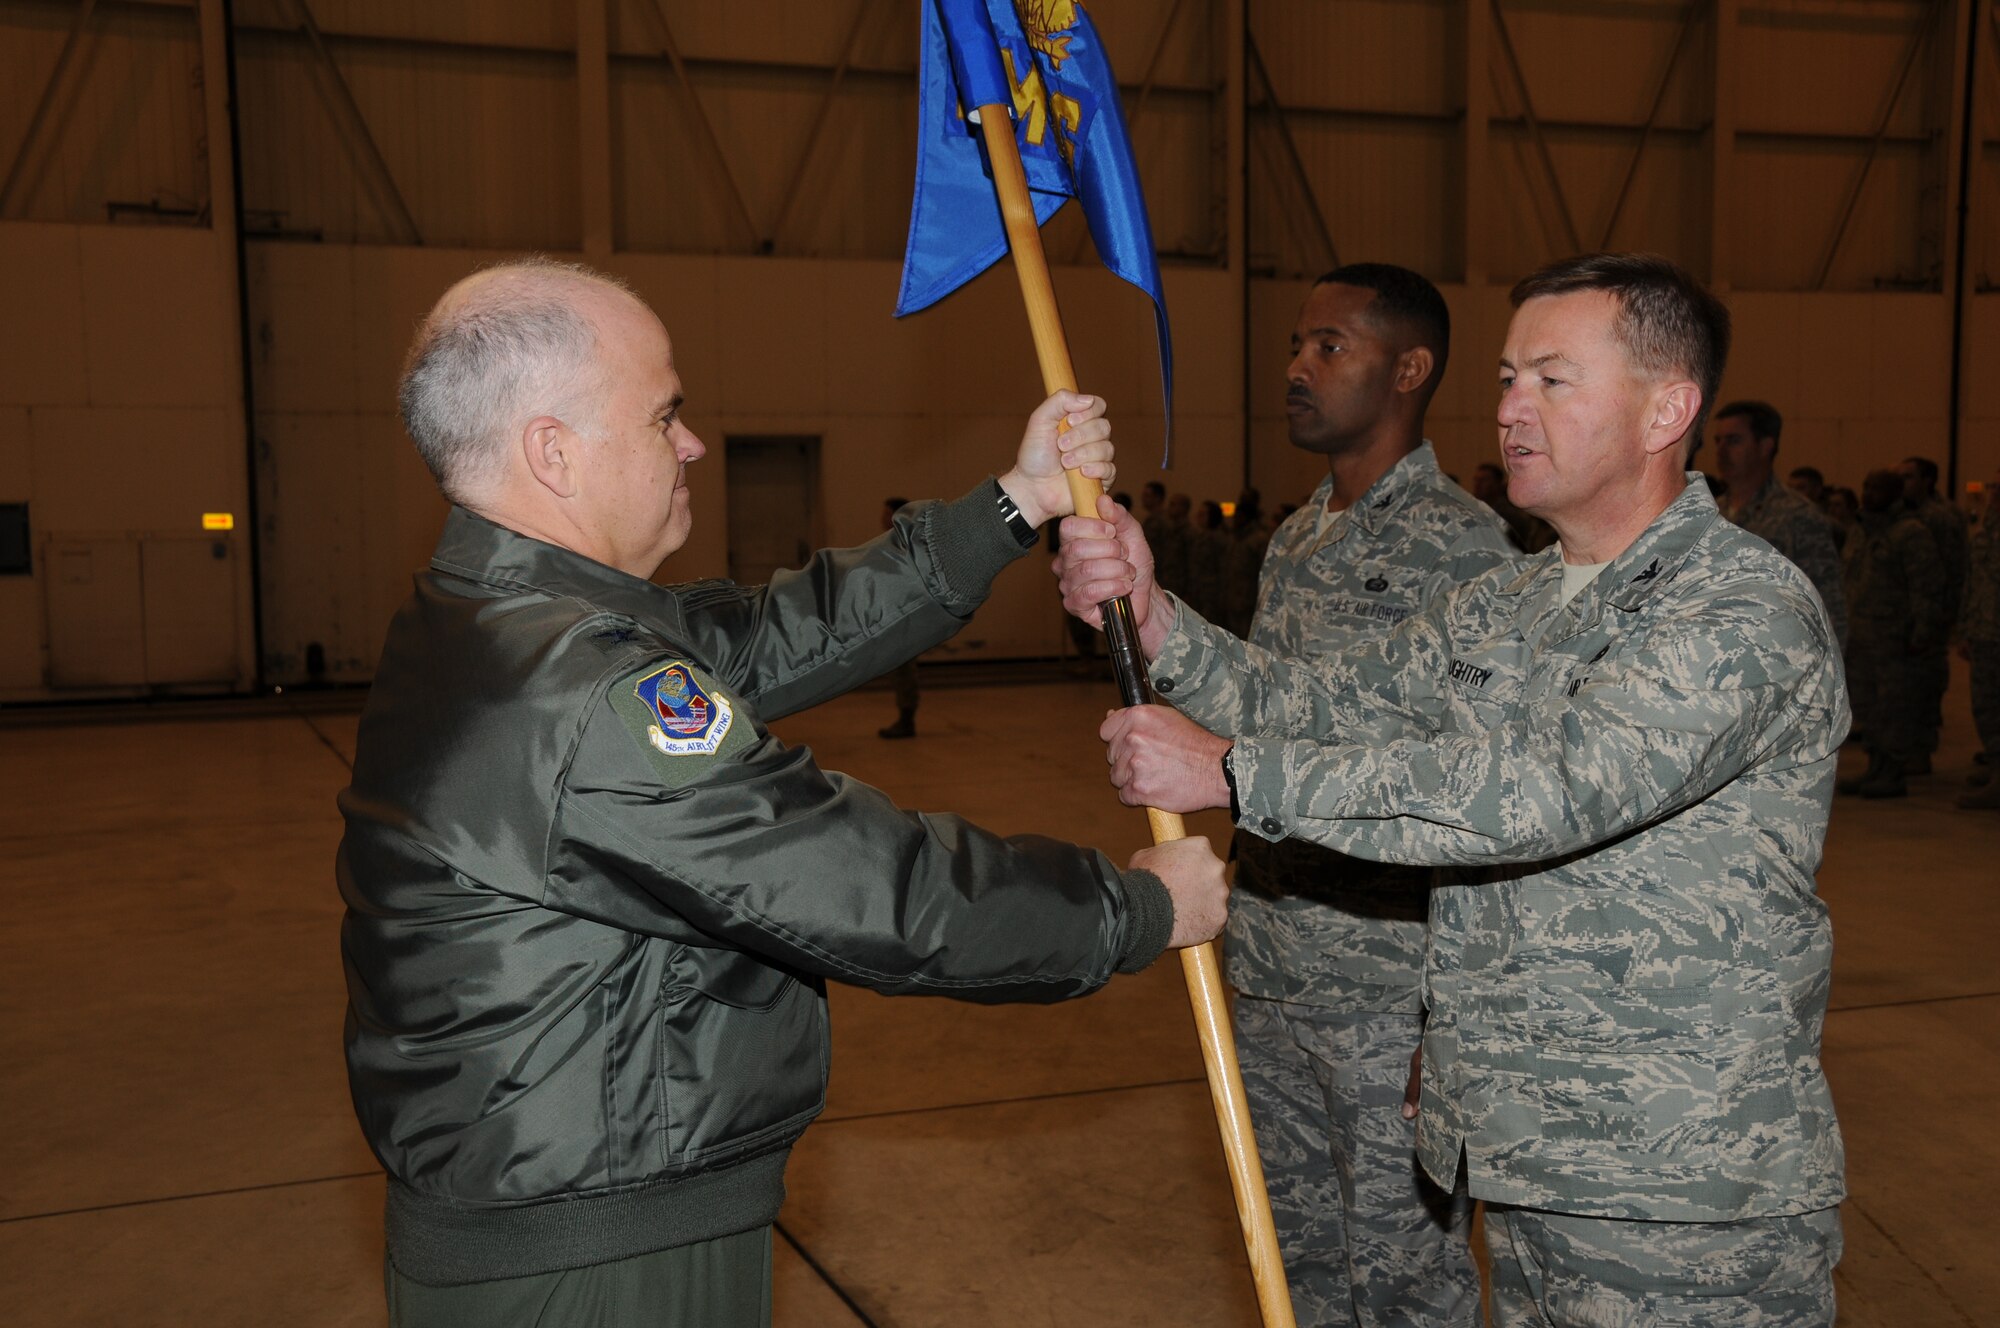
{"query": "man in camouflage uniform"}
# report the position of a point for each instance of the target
(1746, 443)
(1627, 749)
(1947, 526)
(1165, 532)
(1896, 589)
(1979, 632)
(1325, 951)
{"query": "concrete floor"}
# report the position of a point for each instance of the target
(178, 1148)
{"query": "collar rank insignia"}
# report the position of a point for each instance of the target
(687, 720)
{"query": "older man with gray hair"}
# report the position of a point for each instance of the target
(592, 902)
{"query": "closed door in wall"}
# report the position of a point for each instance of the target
(773, 505)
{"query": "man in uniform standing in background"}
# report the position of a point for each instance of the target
(1326, 952)
(1746, 444)
(1979, 632)
(1947, 526)
(1895, 593)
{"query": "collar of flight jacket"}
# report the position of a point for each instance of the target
(479, 550)
(1386, 496)
(1636, 575)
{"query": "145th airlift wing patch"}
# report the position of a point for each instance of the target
(683, 717)
(676, 712)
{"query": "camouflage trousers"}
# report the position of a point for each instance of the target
(1932, 675)
(1559, 1270)
(1884, 688)
(1986, 694)
(1367, 1239)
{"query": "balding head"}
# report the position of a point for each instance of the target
(509, 343)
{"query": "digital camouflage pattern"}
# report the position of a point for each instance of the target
(1895, 594)
(1307, 924)
(1367, 1239)
(1340, 940)
(1628, 981)
(1797, 529)
(1979, 623)
(1552, 1270)
(1952, 535)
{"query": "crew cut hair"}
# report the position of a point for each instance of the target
(1667, 321)
(484, 363)
(1765, 421)
(1407, 301)
(1925, 467)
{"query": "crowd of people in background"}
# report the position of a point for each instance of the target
(1907, 576)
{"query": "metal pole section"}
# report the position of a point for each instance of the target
(1962, 279)
(225, 205)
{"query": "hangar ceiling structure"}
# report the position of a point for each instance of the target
(1806, 145)
(1832, 165)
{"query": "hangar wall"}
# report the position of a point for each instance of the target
(747, 168)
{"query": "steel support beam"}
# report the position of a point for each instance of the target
(1722, 141)
(1277, 110)
(1652, 118)
(671, 49)
(1570, 233)
(819, 121)
(14, 185)
(1925, 24)
(368, 154)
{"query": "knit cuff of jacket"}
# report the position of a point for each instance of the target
(1151, 912)
(970, 544)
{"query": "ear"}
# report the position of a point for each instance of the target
(1413, 368)
(1674, 407)
(550, 450)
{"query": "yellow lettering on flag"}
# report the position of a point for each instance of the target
(1033, 103)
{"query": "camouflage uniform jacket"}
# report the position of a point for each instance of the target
(1307, 924)
(1949, 530)
(1895, 584)
(1979, 619)
(1627, 988)
(1795, 528)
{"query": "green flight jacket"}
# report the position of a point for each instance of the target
(592, 901)
(1628, 980)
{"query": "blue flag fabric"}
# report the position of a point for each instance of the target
(1044, 58)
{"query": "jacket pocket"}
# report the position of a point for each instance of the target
(743, 1057)
(1629, 1066)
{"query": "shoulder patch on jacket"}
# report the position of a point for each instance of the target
(679, 714)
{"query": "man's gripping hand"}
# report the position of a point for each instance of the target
(1038, 483)
(1104, 557)
(1161, 758)
(1193, 877)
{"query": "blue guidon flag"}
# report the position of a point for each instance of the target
(1043, 58)
(687, 719)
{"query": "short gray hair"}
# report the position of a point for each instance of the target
(511, 347)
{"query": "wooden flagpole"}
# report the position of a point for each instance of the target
(1198, 963)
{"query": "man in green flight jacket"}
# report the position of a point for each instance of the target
(591, 901)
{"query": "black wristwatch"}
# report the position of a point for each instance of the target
(1024, 534)
(1229, 778)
